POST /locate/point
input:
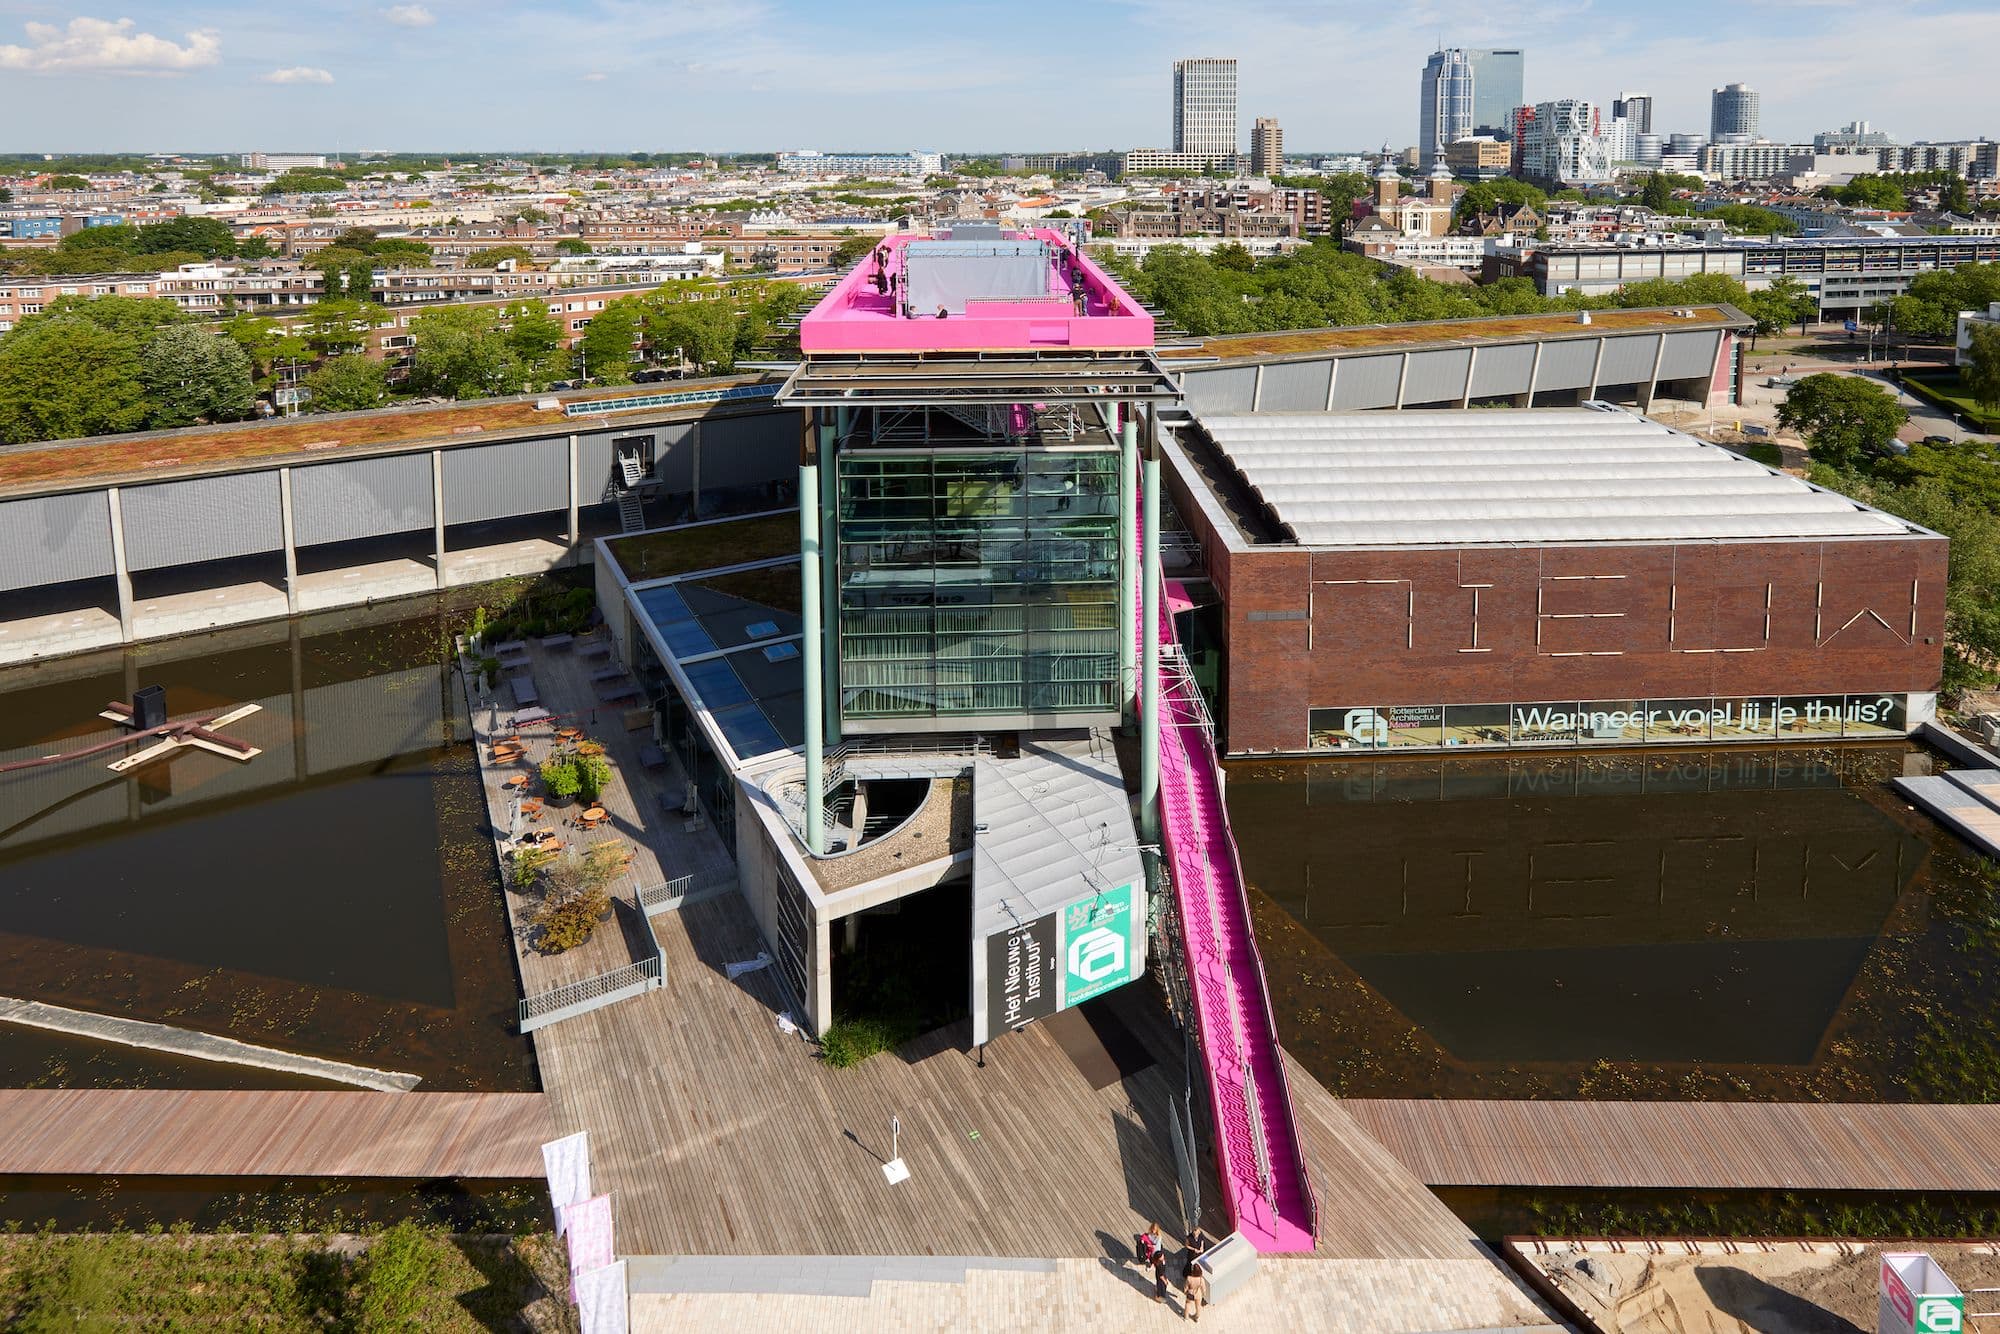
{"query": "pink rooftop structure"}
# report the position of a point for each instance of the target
(976, 289)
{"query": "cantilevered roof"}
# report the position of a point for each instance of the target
(1581, 475)
(916, 379)
(1048, 828)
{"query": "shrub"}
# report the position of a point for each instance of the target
(80, 1296)
(394, 1276)
(489, 671)
(593, 773)
(851, 1041)
(561, 776)
(575, 901)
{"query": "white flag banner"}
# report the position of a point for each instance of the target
(587, 1225)
(566, 1162)
(600, 1299)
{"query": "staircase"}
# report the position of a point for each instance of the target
(1257, 1148)
(631, 470)
(631, 512)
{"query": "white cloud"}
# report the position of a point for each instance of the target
(109, 45)
(594, 77)
(298, 74)
(409, 16)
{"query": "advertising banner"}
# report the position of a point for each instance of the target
(566, 1163)
(1101, 943)
(1020, 973)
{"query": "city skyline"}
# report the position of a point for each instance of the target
(215, 75)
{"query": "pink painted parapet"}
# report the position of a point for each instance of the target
(855, 317)
(1257, 1149)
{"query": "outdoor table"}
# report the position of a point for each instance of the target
(517, 781)
(596, 648)
(612, 673)
(558, 641)
(524, 690)
(525, 717)
(616, 693)
(652, 757)
(511, 646)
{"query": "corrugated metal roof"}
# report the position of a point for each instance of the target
(1582, 475)
(1048, 828)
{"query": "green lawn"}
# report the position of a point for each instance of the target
(703, 547)
(407, 1278)
(1946, 390)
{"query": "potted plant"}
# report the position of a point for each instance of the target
(560, 780)
(593, 773)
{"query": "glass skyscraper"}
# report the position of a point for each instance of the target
(1496, 88)
(1732, 114)
(1445, 101)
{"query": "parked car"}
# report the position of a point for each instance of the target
(654, 376)
(1937, 440)
(567, 384)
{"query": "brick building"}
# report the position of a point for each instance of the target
(1444, 580)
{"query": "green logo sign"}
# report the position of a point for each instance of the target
(1940, 1315)
(1100, 943)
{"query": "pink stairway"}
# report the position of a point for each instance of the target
(1263, 1169)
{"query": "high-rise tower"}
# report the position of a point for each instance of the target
(1732, 113)
(1267, 147)
(1205, 107)
(1496, 87)
(1444, 107)
(1635, 107)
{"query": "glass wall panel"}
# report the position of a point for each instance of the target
(1876, 715)
(1609, 722)
(1543, 724)
(1678, 719)
(1413, 725)
(1475, 724)
(978, 582)
(1810, 715)
(1755, 718)
(1358, 728)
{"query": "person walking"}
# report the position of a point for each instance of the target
(1159, 1263)
(1194, 1286)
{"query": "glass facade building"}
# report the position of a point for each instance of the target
(977, 582)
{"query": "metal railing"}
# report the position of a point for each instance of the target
(592, 406)
(543, 1008)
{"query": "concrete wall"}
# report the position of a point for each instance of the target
(225, 547)
(1364, 379)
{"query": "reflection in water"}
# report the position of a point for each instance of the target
(1722, 923)
(334, 895)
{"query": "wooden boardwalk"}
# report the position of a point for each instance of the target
(1690, 1146)
(177, 1132)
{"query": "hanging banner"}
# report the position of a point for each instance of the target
(587, 1228)
(601, 1301)
(566, 1163)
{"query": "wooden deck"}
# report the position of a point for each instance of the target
(717, 1134)
(638, 821)
(174, 1132)
(1690, 1146)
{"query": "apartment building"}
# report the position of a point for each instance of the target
(24, 296)
(1267, 147)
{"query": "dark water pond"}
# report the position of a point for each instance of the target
(335, 895)
(1707, 924)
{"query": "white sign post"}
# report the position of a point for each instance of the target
(895, 1169)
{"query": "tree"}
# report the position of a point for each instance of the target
(1485, 196)
(1981, 374)
(63, 376)
(267, 343)
(536, 338)
(1841, 417)
(493, 256)
(65, 181)
(338, 326)
(1750, 218)
(136, 318)
(349, 384)
(1656, 194)
(345, 273)
(1778, 307)
(1234, 257)
(463, 352)
(206, 237)
(1870, 191)
(851, 249)
(1958, 199)
(605, 350)
(192, 375)
(703, 332)
(573, 245)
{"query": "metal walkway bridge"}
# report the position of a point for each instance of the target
(1258, 1152)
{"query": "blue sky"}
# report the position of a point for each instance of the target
(953, 75)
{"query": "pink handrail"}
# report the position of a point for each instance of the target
(1265, 1184)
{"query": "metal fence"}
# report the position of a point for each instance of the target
(574, 998)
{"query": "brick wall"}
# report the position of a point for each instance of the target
(1564, 623)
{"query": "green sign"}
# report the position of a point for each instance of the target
(1940, 1315)
(1101, 943)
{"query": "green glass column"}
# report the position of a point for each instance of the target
(815, 704)
(1149, 666)
(1128, 558)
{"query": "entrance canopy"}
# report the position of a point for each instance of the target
(1058, 887)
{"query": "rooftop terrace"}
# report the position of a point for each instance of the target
(976, 289)
(1463, 333)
